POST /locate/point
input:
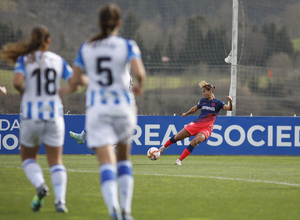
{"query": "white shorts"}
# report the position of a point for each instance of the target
(35, 132)
(110, 125)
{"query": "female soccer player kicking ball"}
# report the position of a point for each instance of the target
(202, 127)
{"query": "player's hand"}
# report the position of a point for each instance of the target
(137, 90)
(64, 90)
(229, 98)
(3, 90)
(184, 114)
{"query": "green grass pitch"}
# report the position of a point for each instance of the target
(204, 187)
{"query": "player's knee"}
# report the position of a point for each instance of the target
(195, 142)
(198, 141)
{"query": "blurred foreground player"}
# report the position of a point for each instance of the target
(81, 137)
(110, 108)
(37, 77)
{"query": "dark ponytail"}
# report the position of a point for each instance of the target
(38, 41)
(108, 18)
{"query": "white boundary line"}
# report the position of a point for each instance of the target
(224, 178)
(189, 176)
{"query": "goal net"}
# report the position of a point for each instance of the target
(183, 42)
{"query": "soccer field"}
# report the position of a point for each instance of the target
(204, 187)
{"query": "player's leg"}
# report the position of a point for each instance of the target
(83, 134)
(53, 139)
(58, 177)
(101, 136)
(125, 178)
(34, 174)
(124, 130)
(177, 137)
(30, 132)
(109, 186)
(200, 137)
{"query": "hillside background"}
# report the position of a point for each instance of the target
(182, 43)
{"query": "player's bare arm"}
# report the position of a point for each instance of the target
(140, 73)
(74, 82)
(191, 111)
(18, 82)
(228, 107)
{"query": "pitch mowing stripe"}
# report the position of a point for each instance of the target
(189, 176)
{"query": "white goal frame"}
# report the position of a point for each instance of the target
(233, 56)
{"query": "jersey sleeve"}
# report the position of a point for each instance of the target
(133, 50)
(79, 62)
(220, 104)
(20, 66)
(199, 104)
(67, 71)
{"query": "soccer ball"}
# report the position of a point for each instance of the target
(153, 153)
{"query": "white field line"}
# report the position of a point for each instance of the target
(190, 176)
(224, 178)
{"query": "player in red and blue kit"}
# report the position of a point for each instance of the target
(202, 127)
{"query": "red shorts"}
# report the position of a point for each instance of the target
(195, 128)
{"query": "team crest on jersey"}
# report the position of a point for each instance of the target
(213, 104)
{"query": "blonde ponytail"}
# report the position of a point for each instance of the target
(206, 85)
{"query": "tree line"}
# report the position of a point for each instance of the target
(202, 44)
(208, 45)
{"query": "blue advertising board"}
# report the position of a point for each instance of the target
(231, 135)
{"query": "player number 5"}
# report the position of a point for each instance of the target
(103, 70)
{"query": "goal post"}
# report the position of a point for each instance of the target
(233, 56)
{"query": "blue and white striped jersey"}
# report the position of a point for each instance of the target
(42, 72)
(107, 64)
